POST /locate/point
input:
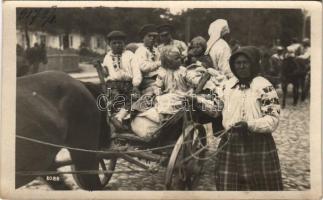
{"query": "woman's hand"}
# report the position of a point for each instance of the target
(241, 127)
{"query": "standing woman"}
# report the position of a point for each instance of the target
(249, 161)
(217, 47)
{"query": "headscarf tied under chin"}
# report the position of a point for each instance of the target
(254, 56)
(217, 29)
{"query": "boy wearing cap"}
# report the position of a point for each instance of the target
(124, 76)
(165, 35)
(148, 58)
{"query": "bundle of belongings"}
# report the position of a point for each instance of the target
(175, 85)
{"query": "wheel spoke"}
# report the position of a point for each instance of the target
(188, 164)
(103, 163)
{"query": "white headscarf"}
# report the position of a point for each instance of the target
(217, 29)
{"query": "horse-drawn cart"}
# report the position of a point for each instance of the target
(179, 144)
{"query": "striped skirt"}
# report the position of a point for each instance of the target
(248, 164)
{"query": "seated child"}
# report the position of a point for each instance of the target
(196, 51)
(208, 99)
(171, 85)
(123, 79)
(175, 84)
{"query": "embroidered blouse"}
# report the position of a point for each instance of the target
(123, 67)
(258, 105)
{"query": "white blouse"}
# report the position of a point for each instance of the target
(123, 67)
(257, 105)
(172, 81)
(220, 54)
(147, 61)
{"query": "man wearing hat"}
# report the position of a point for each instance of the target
(165, 34)
(305, 54)
(277, 58)
(123, 76)
(275, 65)
(304, 61)
(218, 48)
(148, 58)
(295, 48)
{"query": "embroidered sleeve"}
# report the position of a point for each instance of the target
(109, 71)
(270, 110)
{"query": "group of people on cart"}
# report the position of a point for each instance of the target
(151, 81)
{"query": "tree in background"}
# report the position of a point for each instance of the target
(250, 26)
(258, 27)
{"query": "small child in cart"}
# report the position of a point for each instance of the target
(171, 84)
(124, 77)
(175, 83)
(196, 54)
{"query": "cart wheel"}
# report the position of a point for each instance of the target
(111, 163)
(94, 181)
(186, 161)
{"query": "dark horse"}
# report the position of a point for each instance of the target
(293, 72)
(270, 70)
(55, 108)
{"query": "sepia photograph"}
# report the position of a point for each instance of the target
(113, 97)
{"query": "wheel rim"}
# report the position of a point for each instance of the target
(103, 163)
(186, 174)
(195, 166)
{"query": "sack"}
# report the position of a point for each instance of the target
(146, 123)
(169, 103)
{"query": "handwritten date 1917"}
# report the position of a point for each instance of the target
(37, 16)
